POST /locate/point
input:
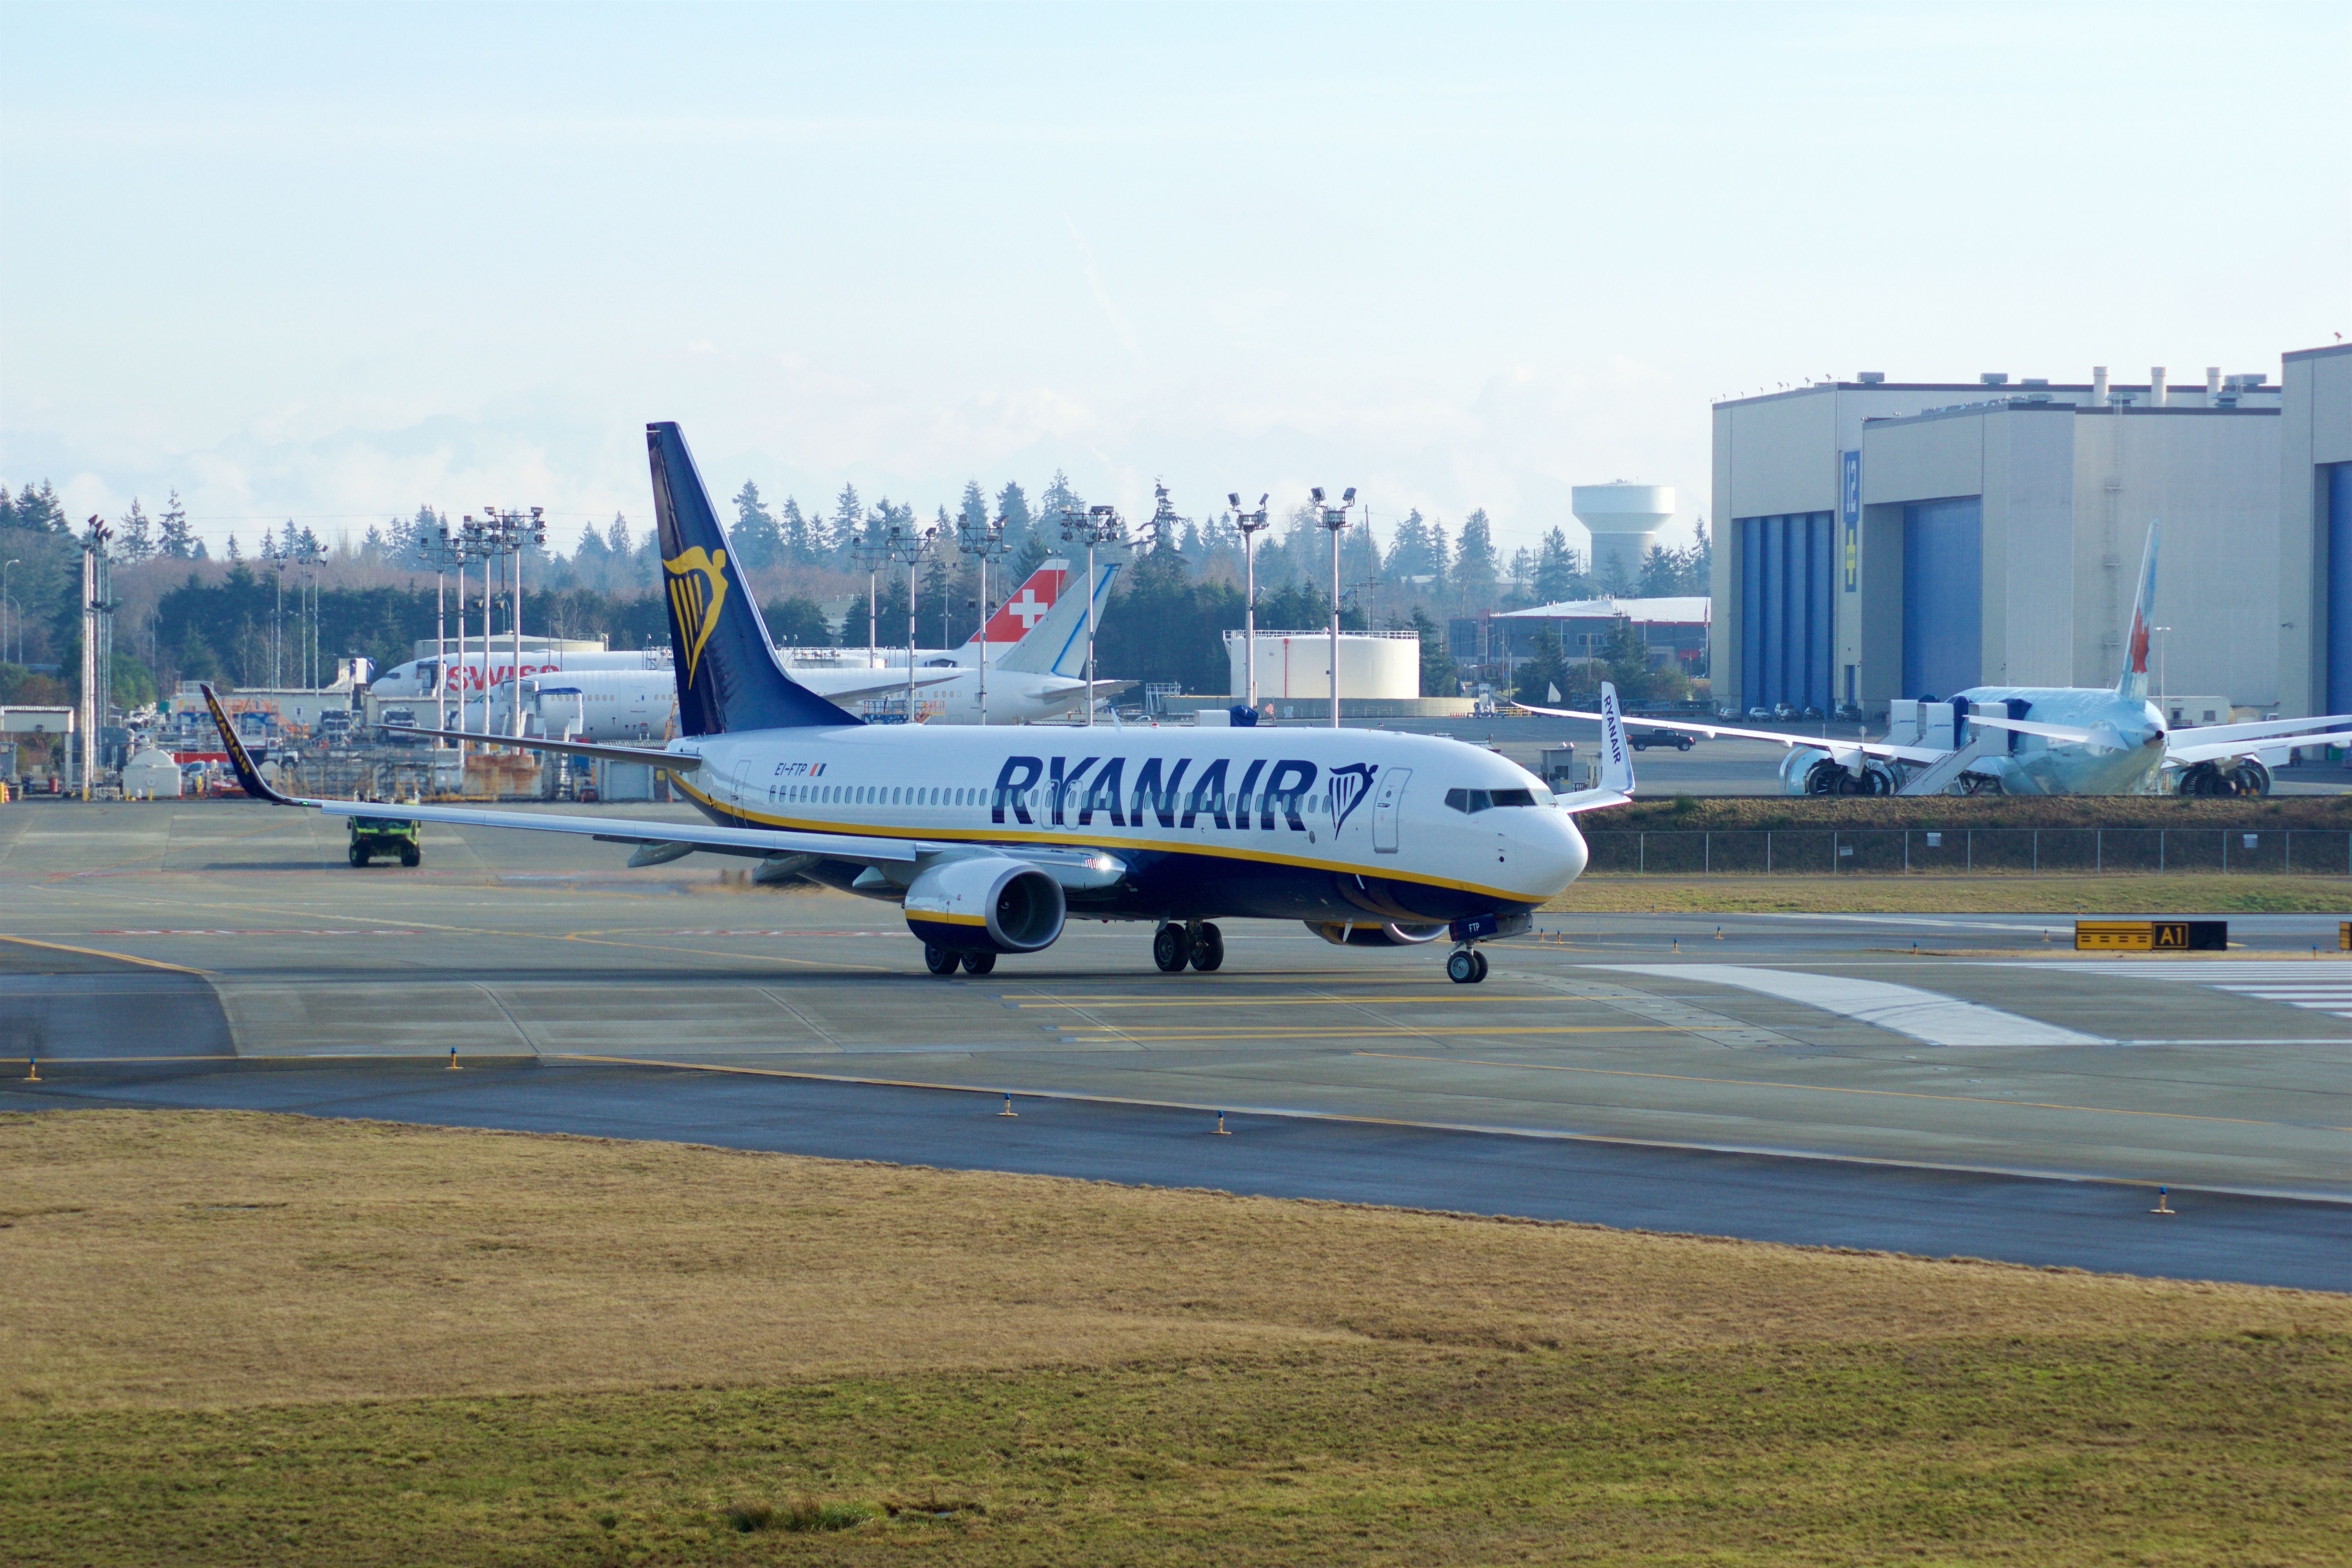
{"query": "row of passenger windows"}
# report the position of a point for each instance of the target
(1475, 800)
(877, 794)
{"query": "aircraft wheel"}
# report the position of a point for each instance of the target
(1482, 966)
(938, 960)
(1208, 948)
(1462, 966)
(979, 963)
(1172, 950)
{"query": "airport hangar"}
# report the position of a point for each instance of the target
(1893, 539)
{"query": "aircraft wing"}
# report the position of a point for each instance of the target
(1811, 742)
(676, 762)
(1616, 785)
(2068, 732)
(2205, 733)
(2217, 751)
(613, 830)
(884, 685)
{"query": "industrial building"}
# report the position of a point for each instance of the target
(1889, 540)
(1674, 629)
(2316, 531)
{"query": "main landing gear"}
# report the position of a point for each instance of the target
(1466, 966)
(1200, 945)
(943, 961)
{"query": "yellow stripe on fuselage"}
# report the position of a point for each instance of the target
(1088, 838)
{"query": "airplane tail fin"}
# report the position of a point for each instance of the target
(1616, 755)
(1026, 606)
(240, 760)
(728, 674)
(2133, 683)
(1057, 643)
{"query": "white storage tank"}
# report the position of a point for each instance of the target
(150, 774)
(1298, 664)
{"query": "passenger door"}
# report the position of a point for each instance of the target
(1387, 791)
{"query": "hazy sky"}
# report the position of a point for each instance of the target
(331, 262)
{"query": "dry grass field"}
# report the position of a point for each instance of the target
(1982, 893)
(239, 1338)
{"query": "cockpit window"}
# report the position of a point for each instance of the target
(1476, 800)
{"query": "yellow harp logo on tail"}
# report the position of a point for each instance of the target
(697, 588)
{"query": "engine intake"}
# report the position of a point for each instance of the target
(1383, 933)
(986, 904)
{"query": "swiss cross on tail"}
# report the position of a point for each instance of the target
(1018, 614)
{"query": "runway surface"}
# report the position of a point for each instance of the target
(1803, 1078)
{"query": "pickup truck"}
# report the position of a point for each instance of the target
(1642, 739)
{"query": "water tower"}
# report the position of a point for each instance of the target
(1623, 519)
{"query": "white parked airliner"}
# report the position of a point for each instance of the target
(2042, 740)
(991, 839)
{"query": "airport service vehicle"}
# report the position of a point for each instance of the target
(2079, 740)
(1040, 677)
(992, 840)
(1642, 739)
(388, 836)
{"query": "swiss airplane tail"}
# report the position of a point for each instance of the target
(2133, 683)
(1057, 643)
(1027, 606)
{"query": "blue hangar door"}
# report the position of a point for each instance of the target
(1943, 596)
(1788, 578)
(2336, 523)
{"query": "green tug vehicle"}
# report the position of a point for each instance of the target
(386, 836)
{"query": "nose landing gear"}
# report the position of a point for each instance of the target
(1466, 966)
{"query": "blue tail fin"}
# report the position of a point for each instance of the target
(728, 676)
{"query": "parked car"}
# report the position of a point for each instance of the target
(1642, 739)
(1760, 712)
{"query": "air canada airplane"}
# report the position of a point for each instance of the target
(992, 840)
(2079, 740)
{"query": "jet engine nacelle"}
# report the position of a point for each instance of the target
(986, 904)
(1383, 933)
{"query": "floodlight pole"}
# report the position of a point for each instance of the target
(909, 546)
(870, 553)
(1332, 518)
(984, 542)
(1098, 525)
(1249, 523)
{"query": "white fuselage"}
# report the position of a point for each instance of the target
(2126, 756)
(477, 674)
(636, 705)
(1276, 822)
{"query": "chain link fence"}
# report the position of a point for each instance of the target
(1893, 851)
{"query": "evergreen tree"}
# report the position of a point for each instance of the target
(1440, 677)
(592, 550)
(1545, 671)
(37, 511)
(1012, 506)
(1034, 552)
(233, 553)
(1699, 562)
(972, 512)
(1662, 573)
(799, 622)
(848, 527)
(1475, 569)
(1556, 570)
(800, 545)
(754, 535)
(619, 535)
(1058, 501)
(371, 544)
(134, 535)
(174, 538)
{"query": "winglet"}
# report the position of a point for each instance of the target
(1616, 756)
(248, 776)
(2133, 683)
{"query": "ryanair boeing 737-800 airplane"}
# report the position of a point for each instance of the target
(991, 841)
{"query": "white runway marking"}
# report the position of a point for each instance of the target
(2305, 983)
(1904, 1009)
